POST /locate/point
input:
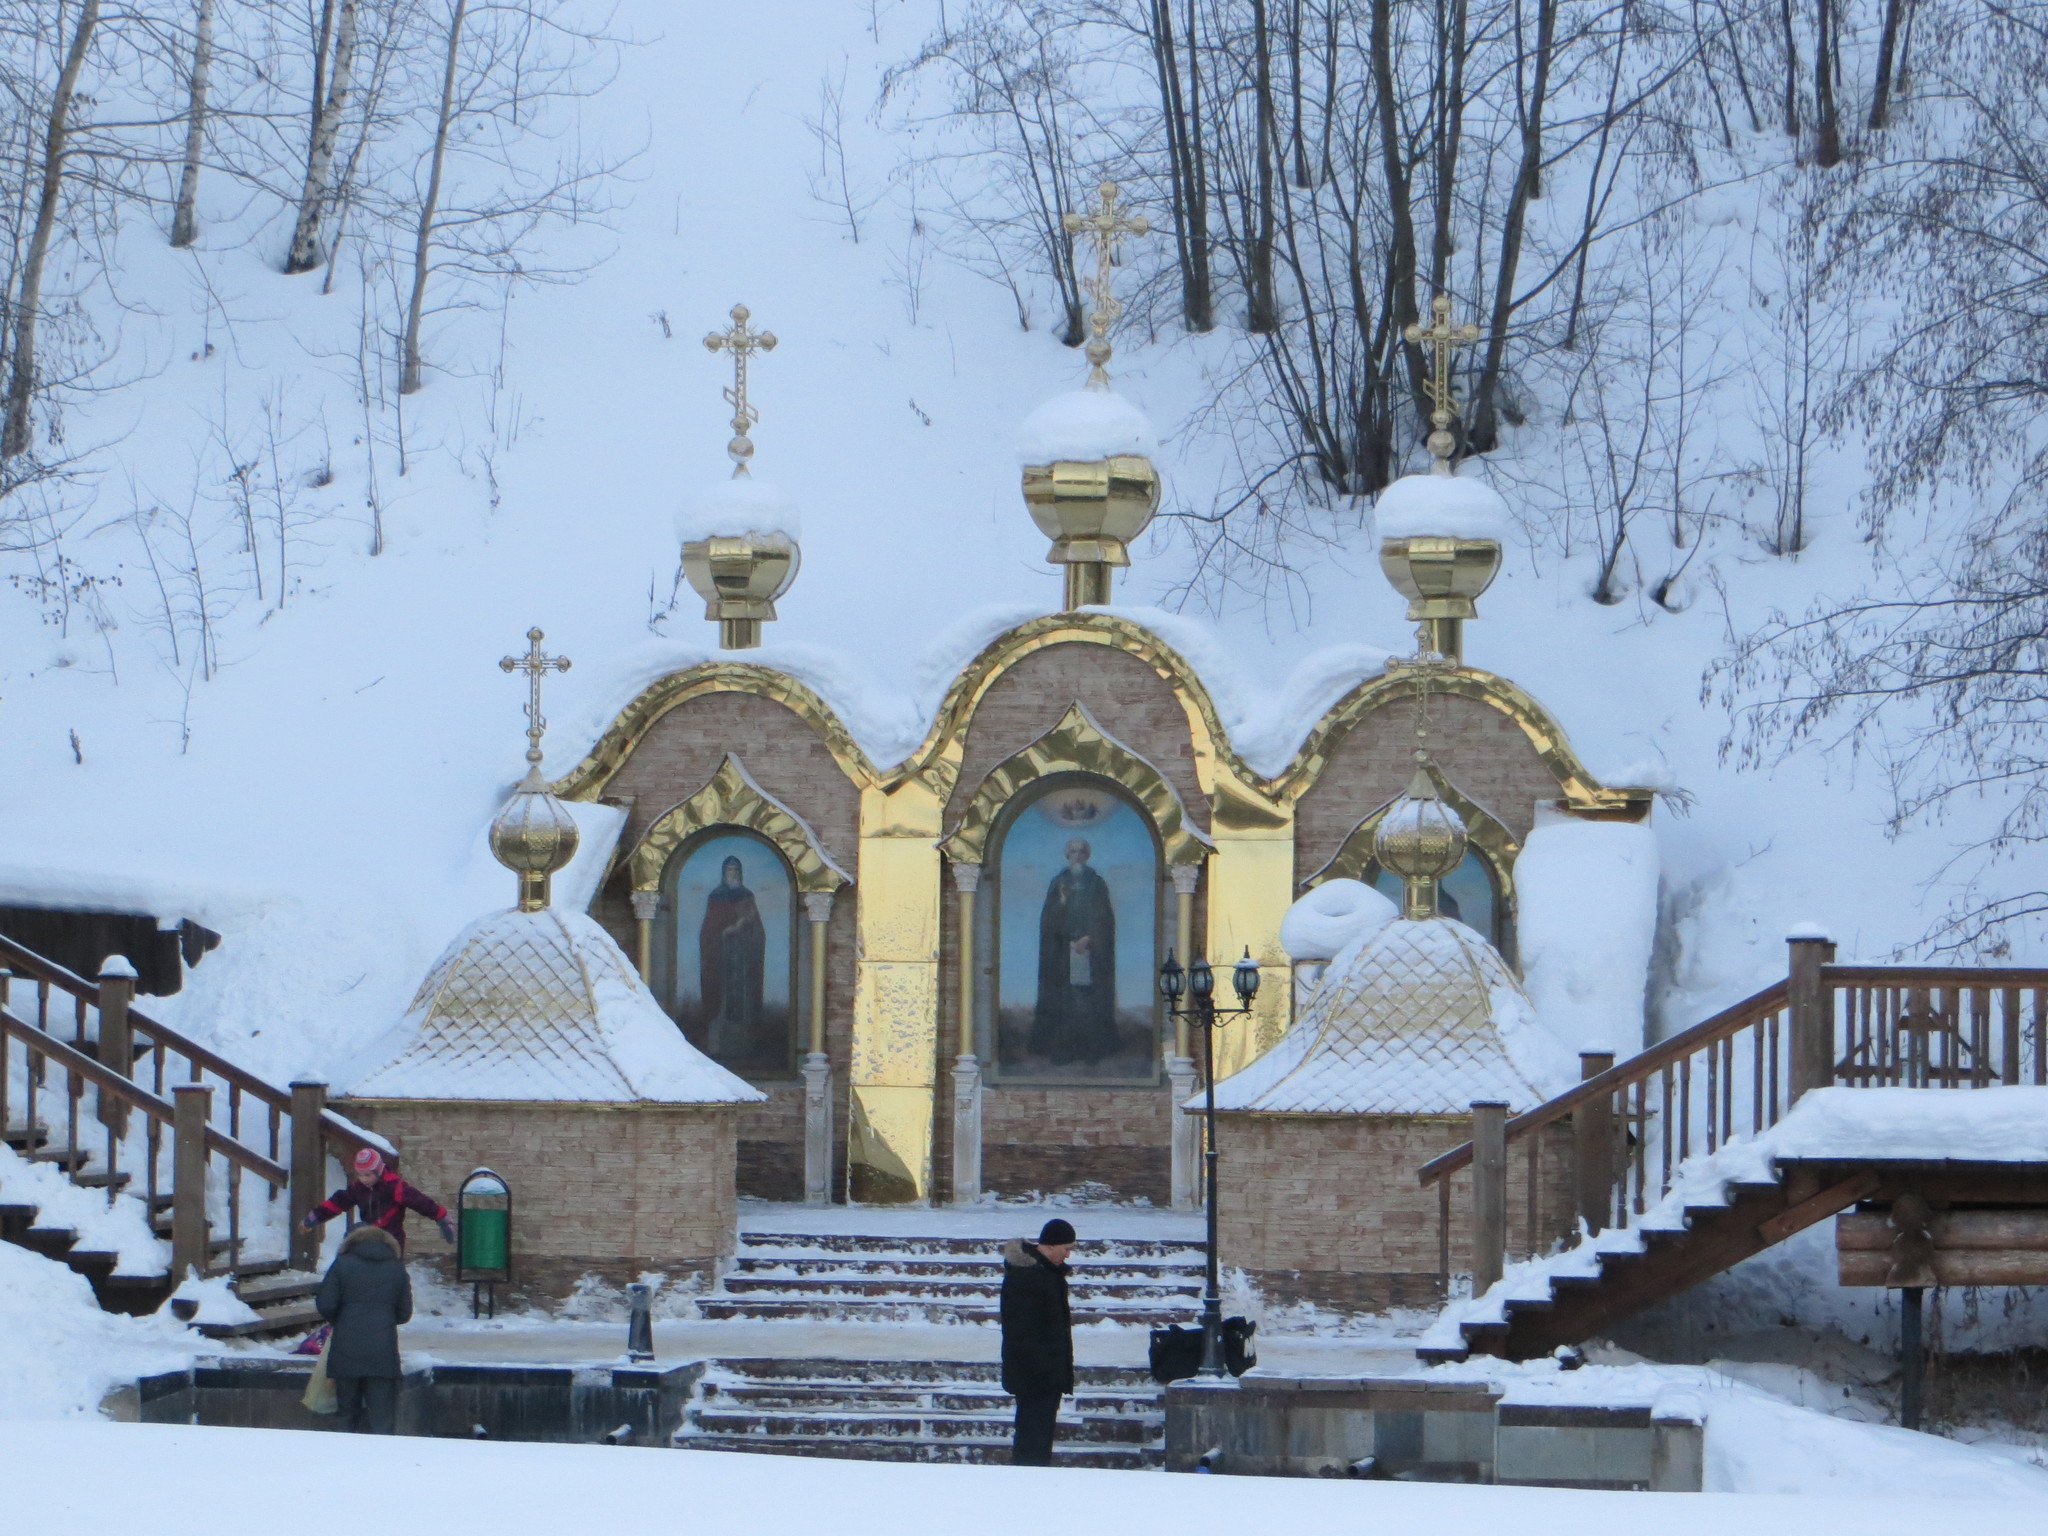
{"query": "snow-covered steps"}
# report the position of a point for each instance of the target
(944, 1279)
(914, 1410)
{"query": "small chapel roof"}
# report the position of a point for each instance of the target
(1419, 1017)
(542, 1006)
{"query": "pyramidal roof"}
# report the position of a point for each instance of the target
(541, 1006)
(1415, 1018)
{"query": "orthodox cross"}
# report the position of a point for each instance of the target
(1108, 224)
(742, 343)
(1437, 339)
(535, 666)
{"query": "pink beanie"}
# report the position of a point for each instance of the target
(368, 1161)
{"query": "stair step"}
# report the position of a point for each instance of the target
(1105, 1457)
(817, 1244)
(65, 1159)
(834, 1397)
(947, 1289)
(990, 1428)
(255, 1269)
(272, 1324)
(100, 1179)
(23, 1138)
(272, 1289)
(880, 1309)
(50, 1242)
(811, 1371)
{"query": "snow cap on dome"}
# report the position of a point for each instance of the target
(541, 1006)
(1331, 917)
(1443, 507)
(1416, 1018)
(1082, 426)
(730, 509)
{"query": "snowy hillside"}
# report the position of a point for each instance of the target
(300, 742)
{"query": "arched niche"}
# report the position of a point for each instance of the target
(733, 799)
(727, 942)
(1071, 931)
(1485, 878)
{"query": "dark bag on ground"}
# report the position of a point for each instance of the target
(1177, 1352)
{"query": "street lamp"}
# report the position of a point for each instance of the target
(1198, 984)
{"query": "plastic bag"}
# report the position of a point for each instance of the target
(320, 1394)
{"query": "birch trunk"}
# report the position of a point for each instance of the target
(28, 299)
(184, 221)
(306, 252)
(409, 375)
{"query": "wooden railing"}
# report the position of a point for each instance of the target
(1632, 1124)
(207, 1106)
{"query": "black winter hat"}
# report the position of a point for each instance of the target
(1056, 1231)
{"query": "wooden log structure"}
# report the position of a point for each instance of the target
(1971, 1247)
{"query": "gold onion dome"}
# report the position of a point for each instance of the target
(1421, 840)
(534, 836)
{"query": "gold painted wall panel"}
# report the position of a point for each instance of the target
(1251, 882)
(896, 1024)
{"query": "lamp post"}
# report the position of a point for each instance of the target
(1198, 984)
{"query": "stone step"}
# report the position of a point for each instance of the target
(954, 1397)
(806, 1370)
(877, 1309)
(1104, 1457)
(992, 1428)
(922, 1288)
(271, 1290)
(813, 1244)
(858, 1267)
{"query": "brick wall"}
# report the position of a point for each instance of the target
(1046, 1140)
(1127, 698)
(1328, 1209)
(674, 760)
(605, 1189)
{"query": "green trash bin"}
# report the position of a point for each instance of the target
(483, 1236)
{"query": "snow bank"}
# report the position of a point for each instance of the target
(60, 1354)
(1442, 506)
(1585, 924)
(736, 506)
(1333, 915)
(1084, 425)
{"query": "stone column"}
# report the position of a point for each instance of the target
(1180, 1066)
(966, 1061)
(817, 1064)
(646, 906)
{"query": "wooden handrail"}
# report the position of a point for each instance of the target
(135, 1096)
(1933, 976)
(41, 968)
(1727, 1022)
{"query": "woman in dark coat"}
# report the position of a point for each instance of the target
(366, 1295)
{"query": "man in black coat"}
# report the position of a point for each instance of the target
(1038, 1338)
(366, 1295)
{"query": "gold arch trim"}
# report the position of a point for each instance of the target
(1581, 792)
(938, 760)
(733, 799)
(1076, 745)
(588, 779)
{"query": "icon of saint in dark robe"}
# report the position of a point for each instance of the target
(1075, 1018)
(731, 946)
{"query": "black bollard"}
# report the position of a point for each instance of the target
(1912, 1357)
(640, 1323)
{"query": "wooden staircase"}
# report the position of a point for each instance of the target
(1659, 1122)
(124, 1106)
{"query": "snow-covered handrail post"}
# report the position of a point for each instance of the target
(1812, 1013)
(188, 1180)
(1593, 1148)
(308, 1167)
(117, 1039)
(1489, 1193)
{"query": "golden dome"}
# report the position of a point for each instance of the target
(1421, 840)
(533, 836)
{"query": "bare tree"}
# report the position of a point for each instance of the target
(27, 302)
(334, 51)
(184, 220)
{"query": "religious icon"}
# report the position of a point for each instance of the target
(1075, 1018)
(730, 945)
(1077, 903)
(724, 964)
